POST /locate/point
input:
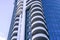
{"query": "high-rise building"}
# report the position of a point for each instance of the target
(16, 31)
(28, 21)
(52, 15)
(35, 24)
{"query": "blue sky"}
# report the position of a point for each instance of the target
(6, 10)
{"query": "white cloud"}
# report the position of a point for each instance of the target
(2, 38)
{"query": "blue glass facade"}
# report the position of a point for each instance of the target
(52, 15)
(27, 26)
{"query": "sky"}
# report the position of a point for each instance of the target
(6, 10)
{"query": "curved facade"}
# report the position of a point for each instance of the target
(29, 21)
(15, 25)
(18, 17)
(37, 22)
(12, 22)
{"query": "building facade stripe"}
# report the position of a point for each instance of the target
(38, 21)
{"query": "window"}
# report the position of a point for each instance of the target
(28, 25)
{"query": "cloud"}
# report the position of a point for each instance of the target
(2, 38)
